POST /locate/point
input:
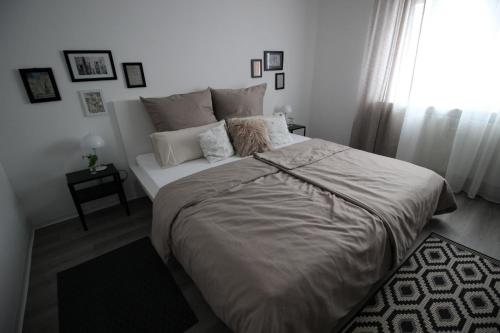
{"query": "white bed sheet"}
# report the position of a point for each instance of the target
(159, 177)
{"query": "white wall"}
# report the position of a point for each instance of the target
(342, 34)
(15, 234)
(183, 45)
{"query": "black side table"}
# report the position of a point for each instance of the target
(294, 127)
(103, 189)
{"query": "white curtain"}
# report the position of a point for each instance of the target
(450, 91)
(388, 62)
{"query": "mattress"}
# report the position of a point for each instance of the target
(159, 177)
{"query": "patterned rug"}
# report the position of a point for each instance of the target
(442, 287)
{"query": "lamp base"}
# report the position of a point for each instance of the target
(101, 168)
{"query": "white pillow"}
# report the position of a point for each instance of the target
(175, 147)
(215, 143)
(278, 130)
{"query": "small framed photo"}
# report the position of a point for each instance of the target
(134, 74)
(40, 85)
(256, 68)
(93, 102)
(273, 60)
(90, 65)
(279, 83)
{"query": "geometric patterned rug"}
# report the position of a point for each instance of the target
(442, 287)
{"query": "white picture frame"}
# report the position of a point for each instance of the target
(93, 102)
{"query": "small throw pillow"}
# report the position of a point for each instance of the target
(215, 143)
(277, 129)
(180, 111)
(235, 103)
(249, 136)
(175, 147)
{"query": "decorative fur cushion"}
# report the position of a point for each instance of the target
(277, 129)
(249, 136)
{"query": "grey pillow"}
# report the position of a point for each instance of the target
(180, 111)
(236, 103)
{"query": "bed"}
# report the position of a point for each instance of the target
(133, 127)
(288, 240)
(158, 177)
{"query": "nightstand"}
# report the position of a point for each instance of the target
(109, 182)
(294, 127)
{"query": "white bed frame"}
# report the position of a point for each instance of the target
(134, 127)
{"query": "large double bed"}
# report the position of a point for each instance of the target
(288, 240)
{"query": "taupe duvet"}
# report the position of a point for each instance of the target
(292, 239)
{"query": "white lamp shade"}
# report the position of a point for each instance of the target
(92, 141)
(287, 109)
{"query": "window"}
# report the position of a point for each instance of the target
(450, 57)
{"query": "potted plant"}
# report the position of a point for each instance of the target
(92, 161)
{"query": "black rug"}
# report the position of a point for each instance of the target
(442, 287)
(126, 290)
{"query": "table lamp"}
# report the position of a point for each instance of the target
(93, 141)
(287, 111)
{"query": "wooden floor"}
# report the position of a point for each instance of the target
(475, 224)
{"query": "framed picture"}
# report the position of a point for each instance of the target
(40, 84)
(279, 82)
(273, 60)
(256, 68)
(90, 65)
(93, 102)
(134, 74)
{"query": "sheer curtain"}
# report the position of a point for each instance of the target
(388, 63)
(451, 123)
(431, 94)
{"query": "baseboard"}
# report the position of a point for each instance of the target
(27, 273)
(91, 210)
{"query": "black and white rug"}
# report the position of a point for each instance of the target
(442, 287)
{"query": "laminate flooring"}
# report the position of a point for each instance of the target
(475, 224)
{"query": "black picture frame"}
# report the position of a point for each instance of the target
(270, 63)
(44, 79)
(277, 84)
(86, 68)
(254, 64)
(131, 83)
